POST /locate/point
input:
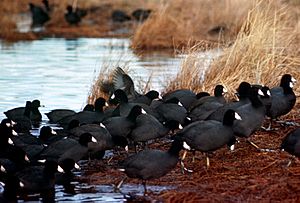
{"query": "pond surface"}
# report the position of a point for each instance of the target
(60, 73)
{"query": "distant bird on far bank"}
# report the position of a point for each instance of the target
(39, 15)
(73, 16)
(141, 14)
(120, 16)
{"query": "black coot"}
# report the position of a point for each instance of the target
(39, 179)
(69, 148)
(151, 164)
(185, 96)
(39, 15)
(283, 97)
(291, 143)
(208, 136)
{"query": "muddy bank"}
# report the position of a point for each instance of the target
(244, 174)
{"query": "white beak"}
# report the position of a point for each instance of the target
(180, 104)
(76, 166)
(293, 80)
(113, 96)
(10, 141)
(94, 139)
(102, 125)
(53, 132)
(3, 169)
(269, 93)
(291, 85)
(180, 127)
(237, 116)
(106, 104)
(143, 111)
(21, 184)
(260, 93)
(232, 147)
(186, 146)
(60, 169)
(42, 160)
(14, 133)
(26, 158)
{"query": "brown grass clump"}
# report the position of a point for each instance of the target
(178, 23)
(263, 51)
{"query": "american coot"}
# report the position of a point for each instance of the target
(30, 110)
(171, 109)
(124, 107)
(120, 16)
(148, 127)
(48, 135)
(208, 136)
(39, 178)
(86, 117)
(39, 15)
(12, 185)
(291, 143)
(151, 164)
(243, 98)
(65, 178)
(15, 160)
(55, 115)
(69, 148)
(122, 126)
(205, 106)
(123, 81)
(253, 115)
(103, 137)
(72, 17)
(185, 96)
(141, 14)
(7, 128)
(219, 92)
(147, 98)
(283, 97)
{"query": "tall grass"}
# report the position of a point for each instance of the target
(179, 22)
(266, 47)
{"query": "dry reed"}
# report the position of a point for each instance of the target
(179, 22)
(263, 51)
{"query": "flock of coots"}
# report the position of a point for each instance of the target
(73, 15)
(189, 121)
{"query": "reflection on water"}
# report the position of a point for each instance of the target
(60, 72)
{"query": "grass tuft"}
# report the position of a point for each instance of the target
(265, 49)
(178, 23)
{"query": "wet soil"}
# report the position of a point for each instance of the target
(243, 175)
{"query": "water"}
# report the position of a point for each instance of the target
(60, 72)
